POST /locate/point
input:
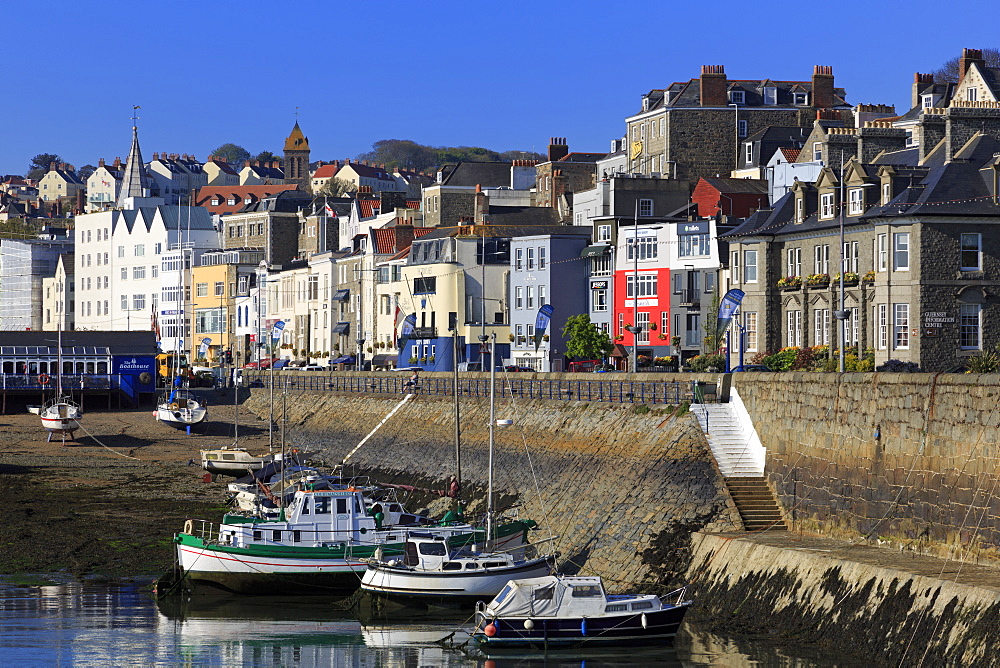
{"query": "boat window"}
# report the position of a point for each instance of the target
(395, 508)
(452, 566)
(296, 536)
(502, 595)
(493, 564)
(544, 593)
(322, 505)
(586, 591)
(305, 505)
(276, 535)
(341, 506)
(211, 456)
(357, 506)
(256, 535)
(229, 457)
(471, 565)
(642, 605)
(616, 607)
(435, 549)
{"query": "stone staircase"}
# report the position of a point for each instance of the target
(740, 455)
(758, 508)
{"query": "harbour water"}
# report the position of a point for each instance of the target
(104, 625)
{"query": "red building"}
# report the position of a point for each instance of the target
(652, 312)
(730, 197)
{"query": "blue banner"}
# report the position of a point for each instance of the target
(542, 323)
(730, 302)
(276, 330)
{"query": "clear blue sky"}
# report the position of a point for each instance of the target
(504, 75)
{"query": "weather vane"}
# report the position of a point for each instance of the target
(135, 117)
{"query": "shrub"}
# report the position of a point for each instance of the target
(899, 366)
(701, 363)
(988, 362)
(782, 360)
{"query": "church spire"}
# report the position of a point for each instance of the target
(133, 182)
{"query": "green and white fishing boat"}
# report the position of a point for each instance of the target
(319, 544)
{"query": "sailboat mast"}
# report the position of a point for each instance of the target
(489, 487)
(59, 365)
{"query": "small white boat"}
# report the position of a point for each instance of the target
(181, 409)
(431, 572)
(61, 417)
(573, 611)
(234, 461)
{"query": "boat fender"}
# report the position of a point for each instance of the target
(583, 626)
(528, 624)
(644, 622)
(189, 527)
(490, 630)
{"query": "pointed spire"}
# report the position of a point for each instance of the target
(133, 182)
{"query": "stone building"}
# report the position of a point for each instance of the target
(694, 128)
(297, 159)
(562, 175)
(920, 252)
(452, 197)
(271, 223)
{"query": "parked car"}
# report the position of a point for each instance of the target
(584, 365)
(312, 367)
(512, 368)
(263, 364)
(752, 367)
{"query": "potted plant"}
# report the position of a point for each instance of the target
(675, 341)
(430, 360)
(619, 337)
(850, 278)
(510, 337)
(869, 277)
(818, 280)
(662, 337)
(423, 360)
(413, 360)
(789, 282)
(652, 326)
(545, 337)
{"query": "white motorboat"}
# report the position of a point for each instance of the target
(430, 571)
(573, 611)
(234, 461)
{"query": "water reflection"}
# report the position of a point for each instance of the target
(100, 625)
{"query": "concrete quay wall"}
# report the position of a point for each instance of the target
(876, 606)
(622, 486)
(906, 460)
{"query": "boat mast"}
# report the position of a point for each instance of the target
(489, 487)
(458, 426)
(59, 365)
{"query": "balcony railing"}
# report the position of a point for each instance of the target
(690, 297)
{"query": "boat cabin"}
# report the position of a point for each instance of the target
(559, 596)
(428, 552)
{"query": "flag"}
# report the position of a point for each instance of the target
(409, 323)
(276, 330)
(730, 302)
(398, 320)
(542, 323)
(156, 325)
(328, 209)
(204, 345)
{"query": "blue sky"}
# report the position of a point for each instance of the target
(501, 75)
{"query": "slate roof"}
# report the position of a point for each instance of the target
(734, 186)
(688, 93)
(582, 157)
(954, 189)
(286, 201)
(486, 174)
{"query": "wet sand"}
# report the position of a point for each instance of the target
(109, 502)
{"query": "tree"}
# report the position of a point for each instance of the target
(85, 172)
(584, 340)
(40, 164)
(948, 72)
(233, 153)
(266, 156)
(336, 188)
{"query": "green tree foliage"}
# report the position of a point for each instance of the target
(40, 164)
(233, 153)
(948, 72)
(336, 188)
(266, 156)
(18, 228)
(407, 154)
(85, 172)
(584, 340)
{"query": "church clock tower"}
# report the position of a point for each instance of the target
(297, 159)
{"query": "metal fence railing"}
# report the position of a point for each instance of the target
(638, 392)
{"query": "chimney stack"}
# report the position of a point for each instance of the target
(558, 148)
(969, 56)
(100, 162)
(713, 86)
(822, 86)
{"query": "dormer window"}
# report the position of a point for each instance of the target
(886, 193)
(215, 201)
(826, 208)
(645, 103)
(800, 209)
(770, 95)
(856, 201)
(800, 99)
(926, 101)
(748, 148)
(737, 97)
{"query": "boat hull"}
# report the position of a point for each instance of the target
(282, 569)
(181, 417)
(60, 425)
(660, 626)
(446, 586)
(60, 418)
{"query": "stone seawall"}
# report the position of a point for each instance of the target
(903, 459)
(622, 486)
(875, 606)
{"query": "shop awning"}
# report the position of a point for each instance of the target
(596, 250)
(341, 328)
(344, 359)
(384, 360)
(341, 295)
